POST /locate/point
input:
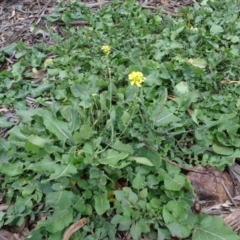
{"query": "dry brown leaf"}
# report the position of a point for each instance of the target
(74, 227)
(37, 74)
(13, 14)
(229, 82)
(190, 111)
(234, 220)
(6, 235)
(4, 109)
(4, 207)
(172, 97)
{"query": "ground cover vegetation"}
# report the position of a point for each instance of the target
(121, 99)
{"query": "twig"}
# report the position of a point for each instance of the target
(228, 193)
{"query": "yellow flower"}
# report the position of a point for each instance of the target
(136, 78)
(94, 94)
(106, 49)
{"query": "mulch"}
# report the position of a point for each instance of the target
(19, 18)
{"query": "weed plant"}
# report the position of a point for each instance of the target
(121, 98)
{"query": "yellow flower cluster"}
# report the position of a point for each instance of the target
(136, 78)
(106, 49)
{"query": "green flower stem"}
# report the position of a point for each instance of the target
(132, 106)
(110, 92)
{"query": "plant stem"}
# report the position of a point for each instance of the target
(110, 104)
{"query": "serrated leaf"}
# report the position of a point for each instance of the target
(182, 87)
(125, 117)
(33, 143)
(4, 145)
(44, 165)
(26, 115)
(174, 183)
(61, 199)
(23, 204)
(178, 209)
(62, 171)
(121, 147)
(5, 123)
(56, 126)
(16, 132)
(142, 160)
(156, 203)
(143, 193)
(176, 32)
(180, 230)
(12, 169)
(10, 49)
(136, 231)
(214, 228)
(138, 181)
(222, 150)
(112, 157)
(165, 117)
(132, 197)
(78, 90)
(58, 221)
(197, 62)
(215, 29)
(85, 132)
(116, 219)
(125, 223)
(101, 204)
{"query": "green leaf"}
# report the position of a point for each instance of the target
(235, 39)
(10, 49)
(26, 115)
(222, 150)
(121, 147)
(180, 230)
(138, 181)
(116, 219)
(215, 29)
(12, 169)
(41, 89)
(4, 145)
(197, 62)
(56, 126)
(136, 231)
(156, 203)
(62, 171)
(101, 204)
(174, 183)
(182, 87)
(5, 123)
(61, 200)
(176, 32)
(33, 143)
(165, 117)
(44, 165)
(58, 221)
(112, 157)
(142, 160)
(214, 228)
(86, 132)
(143, 193)
(125, 223)
(125, 117)
(178, 209)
